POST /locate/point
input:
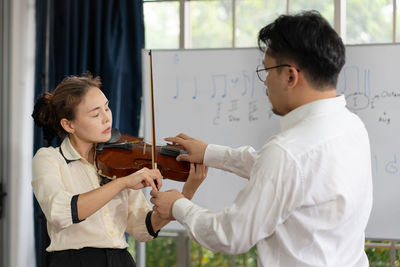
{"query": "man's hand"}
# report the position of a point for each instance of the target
(197, 174)
(195, 147)
(163, 202)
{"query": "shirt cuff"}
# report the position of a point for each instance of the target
(74, 209)
(150, 226)
(180, 208)
(214, 155)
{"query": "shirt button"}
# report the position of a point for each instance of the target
(111, 232)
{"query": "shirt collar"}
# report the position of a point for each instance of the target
(312, 109)
(68, 151)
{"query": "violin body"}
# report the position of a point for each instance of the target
(131, 154)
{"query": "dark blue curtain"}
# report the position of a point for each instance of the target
(104, 37)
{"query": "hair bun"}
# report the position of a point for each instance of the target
(44, 116)
(42, 111)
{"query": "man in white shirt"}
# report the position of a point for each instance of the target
(309, 194)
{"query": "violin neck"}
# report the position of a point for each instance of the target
(124, 146)
(171, 151)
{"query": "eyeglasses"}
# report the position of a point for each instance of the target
(262, 72)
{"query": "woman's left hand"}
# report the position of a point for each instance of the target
(197, 174)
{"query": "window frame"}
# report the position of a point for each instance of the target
(339, 20)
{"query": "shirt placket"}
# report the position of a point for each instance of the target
(105, 210)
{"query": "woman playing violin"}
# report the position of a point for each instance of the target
(87, 222)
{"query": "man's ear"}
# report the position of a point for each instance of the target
(293, 77)
(67, 125)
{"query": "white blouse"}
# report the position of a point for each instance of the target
(309, 195)
(58, 177)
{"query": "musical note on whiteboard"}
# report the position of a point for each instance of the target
(219, 81)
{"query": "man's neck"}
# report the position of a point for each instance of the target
(310, 94)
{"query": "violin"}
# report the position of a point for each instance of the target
(124, 154)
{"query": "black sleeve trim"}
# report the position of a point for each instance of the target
(149, 226)
(74, 209)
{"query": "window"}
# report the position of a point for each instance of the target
(210, 24)
(251, 16)
(235, 23)
(369, 21)
(161, 21)
(325, 7)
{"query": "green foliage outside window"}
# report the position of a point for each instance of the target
(162, 252)
(131, 248)
(381, 256)
(201, 257)
(211, 24)
(369, 21)
(325, 7)
(251, 16)
(161, 21)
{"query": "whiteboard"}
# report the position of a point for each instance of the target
(369, 81)
(215, 95)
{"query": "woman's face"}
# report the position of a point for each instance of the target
(93, 118)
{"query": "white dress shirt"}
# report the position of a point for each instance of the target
(57, 179)
(308, 198)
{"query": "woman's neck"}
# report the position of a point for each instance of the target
(85, 149)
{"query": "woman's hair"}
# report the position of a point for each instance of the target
(50, 108)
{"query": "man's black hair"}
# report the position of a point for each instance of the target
(308, 40)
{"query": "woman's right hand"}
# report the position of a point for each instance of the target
(143, 178)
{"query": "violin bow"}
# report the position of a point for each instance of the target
(153, 134)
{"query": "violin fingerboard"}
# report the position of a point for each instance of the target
(171, 152)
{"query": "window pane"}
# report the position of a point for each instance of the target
(325, 7)
(252, 15)
(379, 256)
(161, 20)
(248, 259)
(369, 21)
(200, 256)
(211, 23)
(132, 246)
(161, 252)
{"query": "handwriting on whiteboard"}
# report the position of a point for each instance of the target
(361, 96)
